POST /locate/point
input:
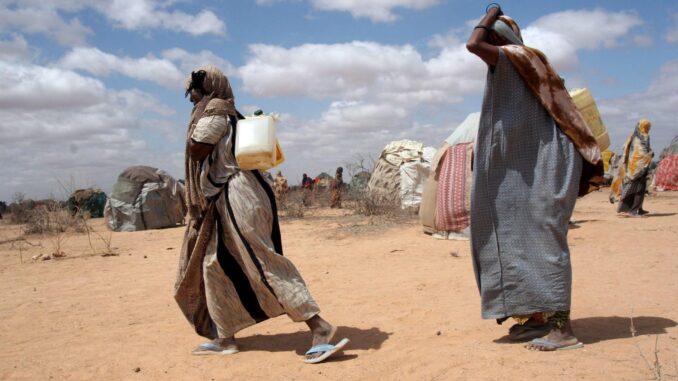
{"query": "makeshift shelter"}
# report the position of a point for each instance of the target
(400, 173)
(145, 198)
(89, 200)
(666, 175)
(323, 180)
(446, 202)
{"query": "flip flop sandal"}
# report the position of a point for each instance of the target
(327, 350)
(550, 346)
(212, 349)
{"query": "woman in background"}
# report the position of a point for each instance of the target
(631, 181)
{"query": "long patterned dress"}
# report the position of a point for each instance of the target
(245, 277)
(526, 180)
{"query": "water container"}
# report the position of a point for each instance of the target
(587, 107)
(255, 143)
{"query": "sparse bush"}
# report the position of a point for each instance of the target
(20, 209)
(368, 204)
(49, 217)
(293, 204)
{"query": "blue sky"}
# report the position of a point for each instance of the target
(91, 87)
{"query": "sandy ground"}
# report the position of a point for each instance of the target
(408, 303)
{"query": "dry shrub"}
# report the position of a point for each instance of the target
(294, 203)
(20, 209)
(321, 197)
(369, 204)
(49, 217)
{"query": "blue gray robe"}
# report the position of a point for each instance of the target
(526, 180)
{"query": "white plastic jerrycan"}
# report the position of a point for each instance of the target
(256, 143)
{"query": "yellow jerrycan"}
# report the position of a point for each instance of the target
(589, 110)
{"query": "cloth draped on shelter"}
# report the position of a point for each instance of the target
(454, 188)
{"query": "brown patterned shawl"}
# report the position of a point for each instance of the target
(545, 83)
(189, 289)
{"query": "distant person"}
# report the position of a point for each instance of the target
(337, 186)
(630, 183)
(534, 155)
(307, 190)
(281, 188)
(232, 273)
(306, 182)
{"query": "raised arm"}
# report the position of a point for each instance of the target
(477, 43)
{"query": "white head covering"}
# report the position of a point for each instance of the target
(505, 31)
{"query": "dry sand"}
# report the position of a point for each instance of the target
(408, 303)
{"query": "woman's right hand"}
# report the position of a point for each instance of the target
(477, 42)
(494, 8)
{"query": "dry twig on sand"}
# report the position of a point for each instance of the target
(655, 366)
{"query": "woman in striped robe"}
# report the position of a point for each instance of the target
(232, 272)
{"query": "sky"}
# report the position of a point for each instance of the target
(90, 87)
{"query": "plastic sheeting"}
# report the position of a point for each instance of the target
(466, 132)
(145, 198)
(400, 151)
(413, 175)
(401, 171)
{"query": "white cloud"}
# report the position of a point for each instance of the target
(143, 14)
(43, 20)
(560, 35)
(356, 70)
(56, 123)
(375, 10)
(346, 129)
(14, 50)
(189, 61)
(168, 71)
(353, 116)
(672, 34)
(93, 60)
(53, 18)
(374, 72)
(30, 88)
(587, 29)
(658, 103)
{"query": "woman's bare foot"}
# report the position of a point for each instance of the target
(322, 332)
